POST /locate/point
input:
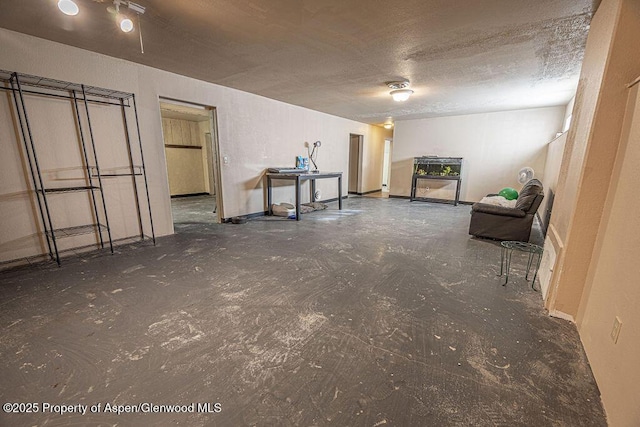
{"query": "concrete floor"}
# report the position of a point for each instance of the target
(193, 210)
(384, 314)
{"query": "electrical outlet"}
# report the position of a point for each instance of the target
(615, 332)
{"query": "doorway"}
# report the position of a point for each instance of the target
(386, 166)
(355, 163)
(193, 172)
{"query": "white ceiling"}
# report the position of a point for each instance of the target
(334, 56)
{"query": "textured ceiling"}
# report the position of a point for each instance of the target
(461, 56)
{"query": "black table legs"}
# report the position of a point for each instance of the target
(340, 192)
(298, 179)
(269, 197)
(298, 198)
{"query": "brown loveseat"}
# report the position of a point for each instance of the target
(501, 223)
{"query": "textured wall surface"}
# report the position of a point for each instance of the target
(592, 144)
(495, 146)
(614, 290)
(552, 166)
(254, 133)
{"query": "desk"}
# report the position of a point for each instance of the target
(416, 177)
(505, 258)
(298, 178)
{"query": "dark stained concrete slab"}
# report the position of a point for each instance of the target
(384, 314)
(193, 210)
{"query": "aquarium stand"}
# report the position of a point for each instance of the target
(436, 168)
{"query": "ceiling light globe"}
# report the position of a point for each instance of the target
(388, 125)
(126, 25)
(68, 7)
(400, 95)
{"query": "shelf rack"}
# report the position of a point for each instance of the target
(23, 85)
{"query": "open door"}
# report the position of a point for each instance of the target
(355, 164)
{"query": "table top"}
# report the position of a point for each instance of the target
(304, 175)
(522, 246)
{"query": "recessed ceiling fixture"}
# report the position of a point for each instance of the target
(400, 90)
(68, 7)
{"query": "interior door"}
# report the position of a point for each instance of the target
(355, 163)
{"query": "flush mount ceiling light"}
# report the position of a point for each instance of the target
(400, 90)
(401, 94)
(68, 7)
(388, 125)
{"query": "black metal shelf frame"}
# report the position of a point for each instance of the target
(68, 189)
(77, 230)
(24, 84)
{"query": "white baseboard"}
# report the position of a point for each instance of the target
(561, 315)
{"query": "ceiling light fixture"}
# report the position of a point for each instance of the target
(401, 94)
(68, 7)
(400, 90)
(125, 23)
(388, 125)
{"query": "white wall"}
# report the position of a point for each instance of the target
(494, 147)
(614, 272)
(568, 115)
(595, 217)
(555, 151)
(253, 131)
(552, 167)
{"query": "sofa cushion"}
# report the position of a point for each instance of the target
(497, 210)
(528, 194)
(498, 201)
